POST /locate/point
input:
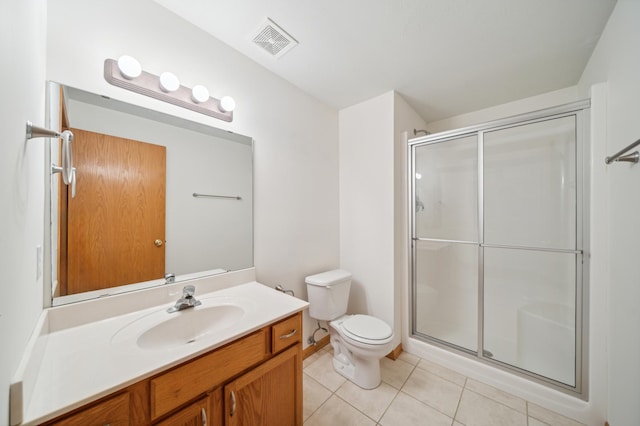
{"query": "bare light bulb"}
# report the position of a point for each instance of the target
(199, 94)
(169, 82)
(227, 104)
(129, 67)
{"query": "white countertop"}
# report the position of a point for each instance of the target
(80, 363)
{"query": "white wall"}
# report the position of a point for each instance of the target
(405, 120)
(23, 48)
(367, 204)
(372, 206)
(296, 137)
(616, 61)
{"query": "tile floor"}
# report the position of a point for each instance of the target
(413, 391)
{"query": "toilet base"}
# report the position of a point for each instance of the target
(362, 371)
(365, 377)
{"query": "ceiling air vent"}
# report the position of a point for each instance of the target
(273, 39)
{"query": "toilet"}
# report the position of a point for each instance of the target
(359, 341)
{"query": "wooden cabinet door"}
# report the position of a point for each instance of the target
(268, 395)
(196, 414)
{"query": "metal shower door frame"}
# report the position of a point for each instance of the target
(580, 111)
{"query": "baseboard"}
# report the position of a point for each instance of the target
(395, 354)
(311, 349)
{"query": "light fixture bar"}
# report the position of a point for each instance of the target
(149, 85)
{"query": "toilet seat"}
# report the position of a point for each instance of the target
(367, 329)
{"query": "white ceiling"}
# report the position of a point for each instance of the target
(445, 57)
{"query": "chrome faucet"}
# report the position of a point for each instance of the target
(186, 301)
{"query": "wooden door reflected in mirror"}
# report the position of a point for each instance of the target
(117, 218)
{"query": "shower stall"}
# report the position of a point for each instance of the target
(498, 243)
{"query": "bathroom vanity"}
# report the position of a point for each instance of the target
(256, 379)
(136, 368)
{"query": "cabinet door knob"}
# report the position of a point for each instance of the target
(158, 243)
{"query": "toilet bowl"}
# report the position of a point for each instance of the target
(359, 341)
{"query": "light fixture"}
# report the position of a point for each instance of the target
(127, 73)
(227, 104)
(169, 82)
(129, 67)
(200, 94)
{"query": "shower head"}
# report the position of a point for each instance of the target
(416, 131)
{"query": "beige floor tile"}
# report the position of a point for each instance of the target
(395, 373)
(433, 390)
(407, 357)
(373, 402)
(478, 410)
(313, 395)
(441, 371)
(549, 417)
(407, 411)
(336, 412)
(497, 395)
(310, 359)
(430, 394)
(322, 371)
(536, 422)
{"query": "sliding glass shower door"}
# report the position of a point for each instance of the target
(497, 244)
(446, 232)
(530, 246)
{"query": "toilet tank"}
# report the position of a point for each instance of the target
(328, 294)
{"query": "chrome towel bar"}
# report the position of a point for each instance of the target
(634, 157)
(230, 197)
(67, 170)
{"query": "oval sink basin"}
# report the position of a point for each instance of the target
(162, 330)
(188, 326)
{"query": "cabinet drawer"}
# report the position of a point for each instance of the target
(113, 411)
(198, 413)
(184, 383)
(286, 333)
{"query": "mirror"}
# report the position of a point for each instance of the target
(155, 195)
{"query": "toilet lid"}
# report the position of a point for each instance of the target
(367, 327)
